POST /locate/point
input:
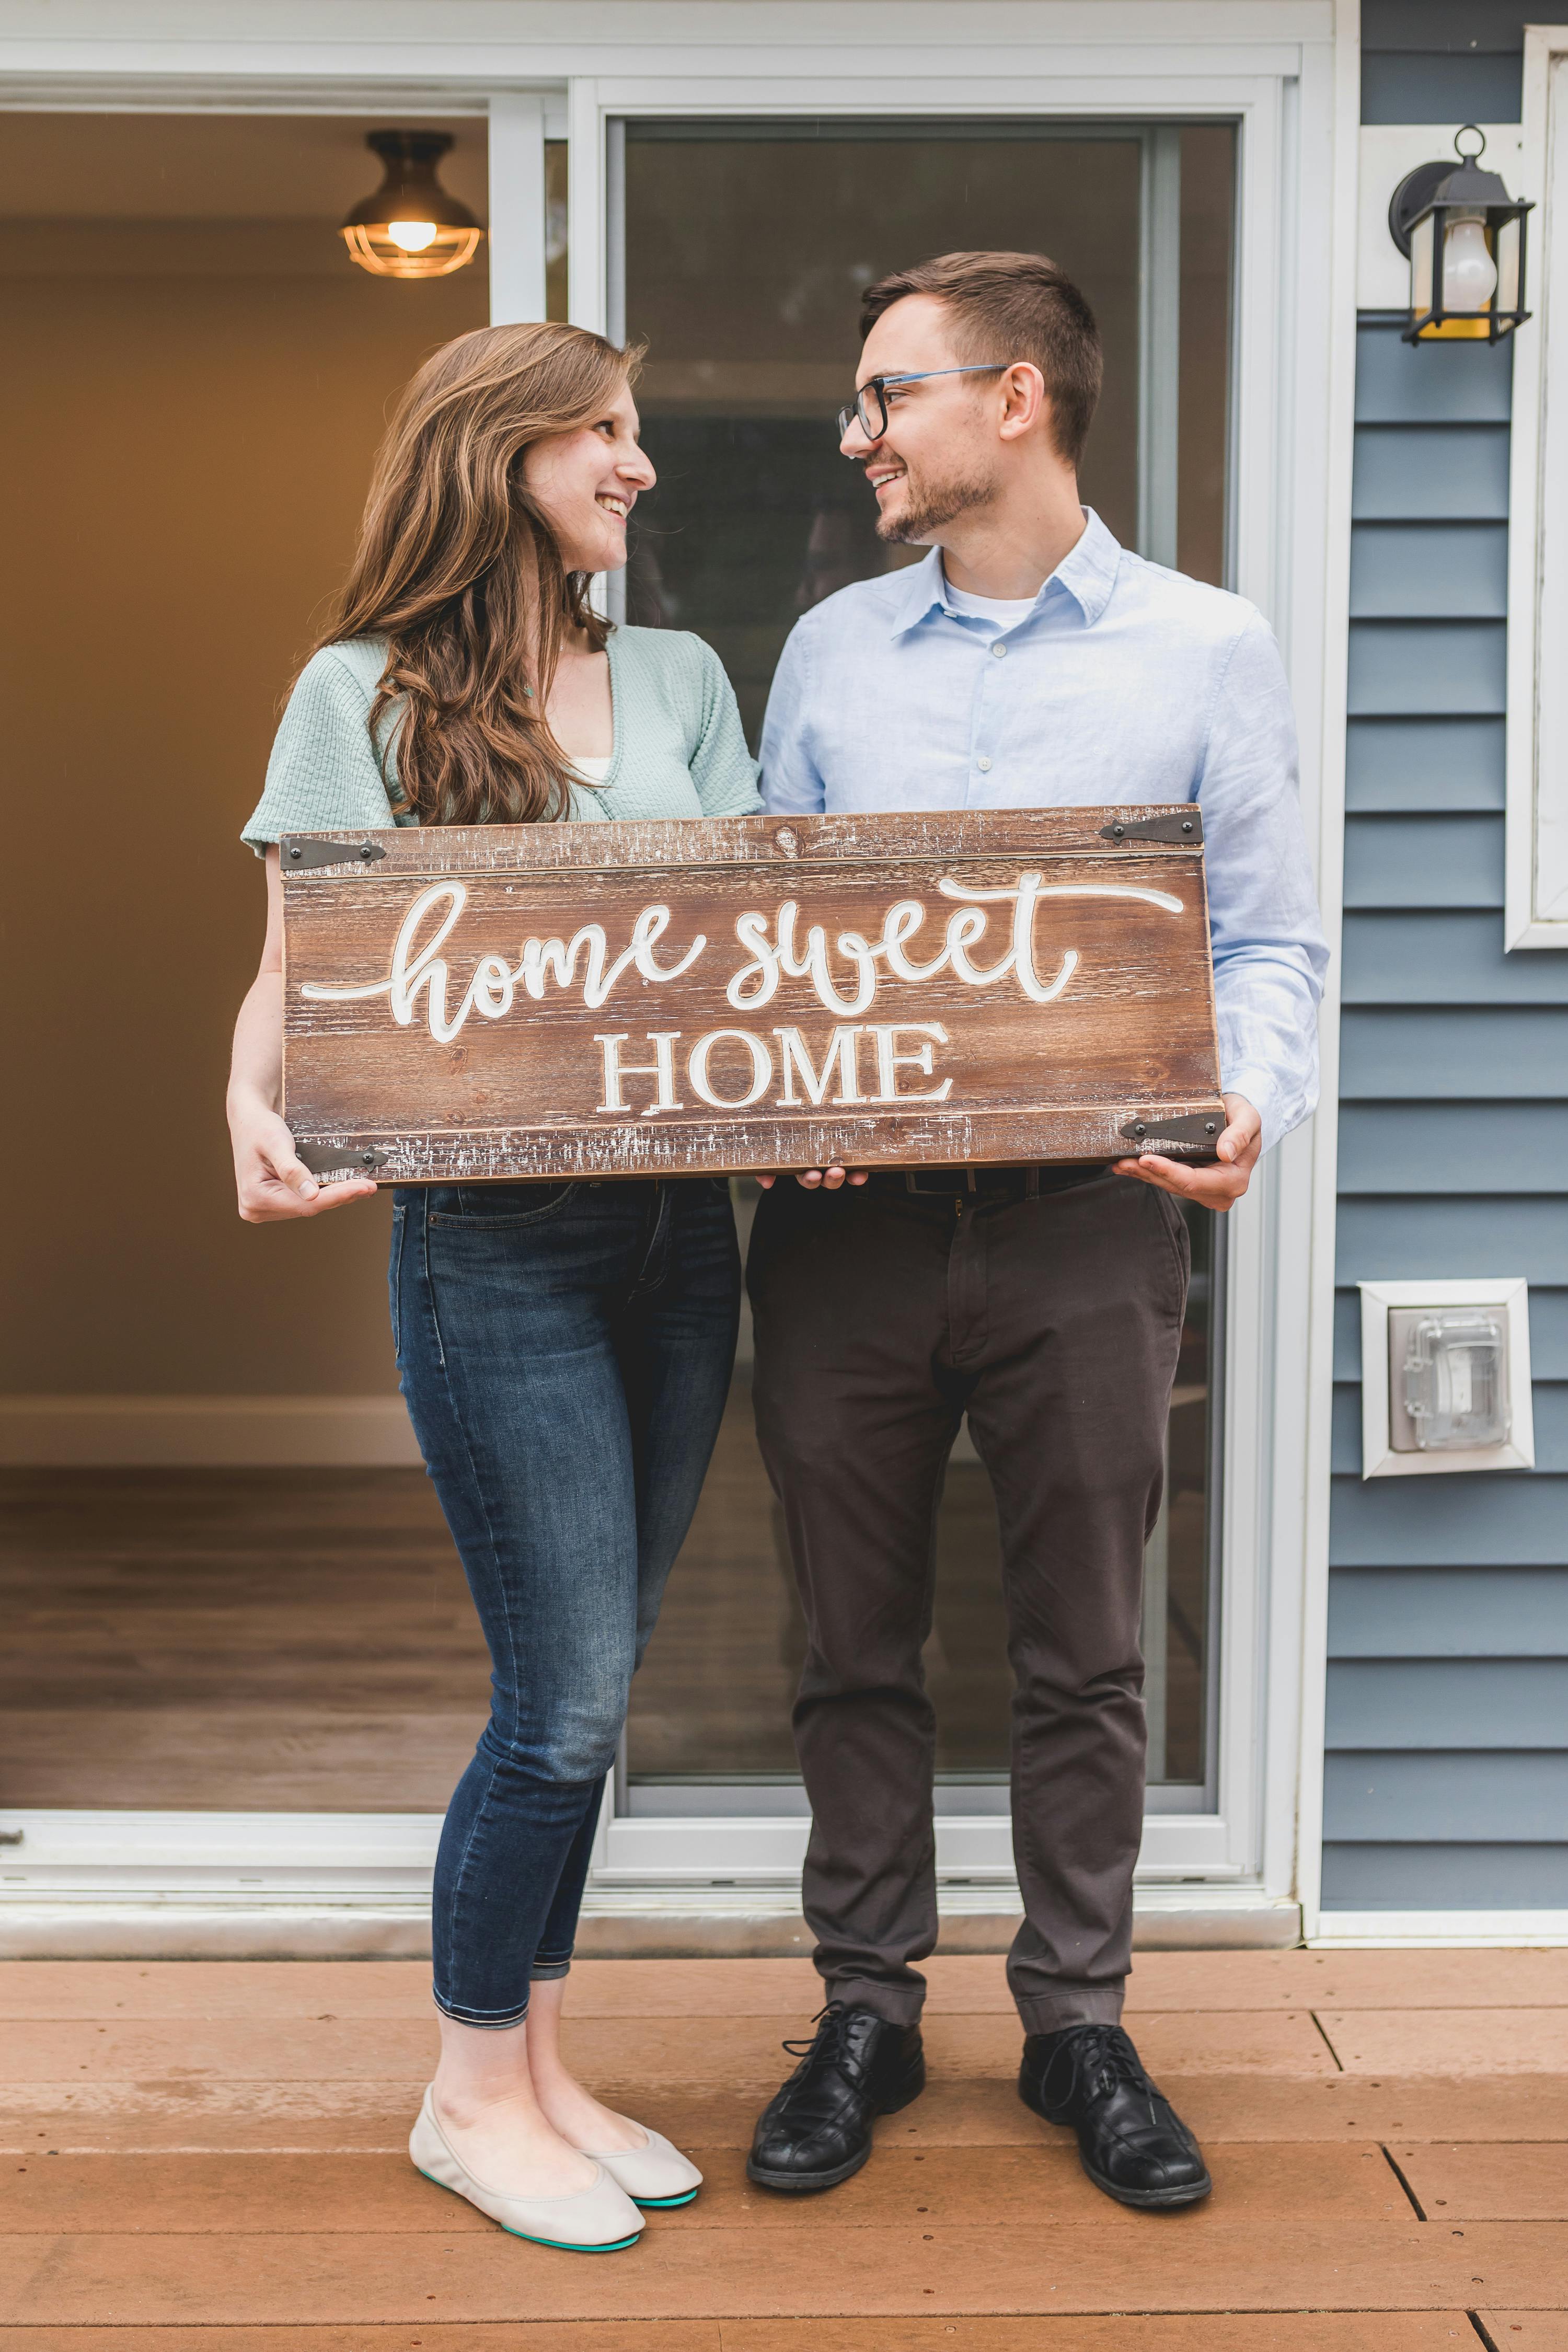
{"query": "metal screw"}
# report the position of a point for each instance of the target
(296, 854)
(1118, 830)
(1187, 824)
(1211, 1126)
(1139, 1127)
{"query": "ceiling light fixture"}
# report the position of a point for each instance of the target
(411, 228)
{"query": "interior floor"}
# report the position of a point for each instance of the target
(303, 1639)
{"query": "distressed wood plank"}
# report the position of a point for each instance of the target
(1449, 2042)
(679, 2052)
(1522, 2182)
(960, 1984)
(1001, 986)
(422, 2335)
(1303, 2331)
(1029, 2186)
(358, 2117)
(1296, 2331)
(1201, 2265)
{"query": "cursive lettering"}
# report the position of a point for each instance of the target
(775, 957)
(493, 985)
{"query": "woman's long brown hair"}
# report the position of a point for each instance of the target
(458, 570)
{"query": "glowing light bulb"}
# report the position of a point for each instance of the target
(412, 237)
(1469, 273)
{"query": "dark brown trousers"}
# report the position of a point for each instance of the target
(881, 1318)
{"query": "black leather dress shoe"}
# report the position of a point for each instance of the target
(816, 2131)
(1131, 2140)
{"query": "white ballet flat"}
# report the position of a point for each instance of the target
(656, 2174)
(598, 2220)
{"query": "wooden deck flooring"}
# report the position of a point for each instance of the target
(210, 2156)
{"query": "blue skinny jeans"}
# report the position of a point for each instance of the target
(564, 1352)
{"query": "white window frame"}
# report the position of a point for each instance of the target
(1536, 887)
(1286, 73)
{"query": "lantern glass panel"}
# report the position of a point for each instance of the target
(1421, 266)
(1505, 244)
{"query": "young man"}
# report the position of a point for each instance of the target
(1027, 660)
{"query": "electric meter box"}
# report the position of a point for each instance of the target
(1448, 1378)
(1444, 1376)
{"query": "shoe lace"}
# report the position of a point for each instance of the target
(1104, 2058)
(832, 2024)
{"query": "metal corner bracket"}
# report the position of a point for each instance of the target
(320, 1159)
(1187, 832)
(299, 852)
(1198, 1127)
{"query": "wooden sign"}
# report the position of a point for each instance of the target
(1007, 986)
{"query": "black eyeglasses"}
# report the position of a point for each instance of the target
(869, 409)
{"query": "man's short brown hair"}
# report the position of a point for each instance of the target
(1012, 306)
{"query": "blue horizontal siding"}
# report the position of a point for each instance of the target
(1424, 766)
(1400, 668)
(1444, 1878)
(1467, 1519)
(1424, 861)
(1450, 1613)
(1446, 1798)
(1416, 1704)
(1445, 959)
(1549, 1408)
(1446, 1770)
(1430, 473)
(1548, 1334)
(1397, 382)
(1454, 1147)
(1405, 1237)
(1444, 571)
(1453, 1051)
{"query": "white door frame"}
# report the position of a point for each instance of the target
(1286, 73)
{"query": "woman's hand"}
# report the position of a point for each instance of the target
(271, 1177)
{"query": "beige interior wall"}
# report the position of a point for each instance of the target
(189, 401)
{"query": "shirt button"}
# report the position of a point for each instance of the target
(999, 649)
(983, 765)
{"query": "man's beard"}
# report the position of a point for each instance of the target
(931, 506)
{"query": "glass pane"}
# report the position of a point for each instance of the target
(745, 249)
(712, 1702)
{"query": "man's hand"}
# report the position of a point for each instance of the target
(829, 1179)
(1212, 1188)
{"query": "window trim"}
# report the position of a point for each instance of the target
(1536, 884)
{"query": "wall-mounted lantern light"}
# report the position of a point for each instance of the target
(411, 228)
(1463, 236)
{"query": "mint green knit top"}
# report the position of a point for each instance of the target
(679, 748)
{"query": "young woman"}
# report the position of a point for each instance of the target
(564, 1349)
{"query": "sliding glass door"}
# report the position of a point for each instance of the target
(737, 252)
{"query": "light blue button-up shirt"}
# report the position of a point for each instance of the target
(1122, 683)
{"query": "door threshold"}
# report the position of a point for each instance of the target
(763, 1925)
